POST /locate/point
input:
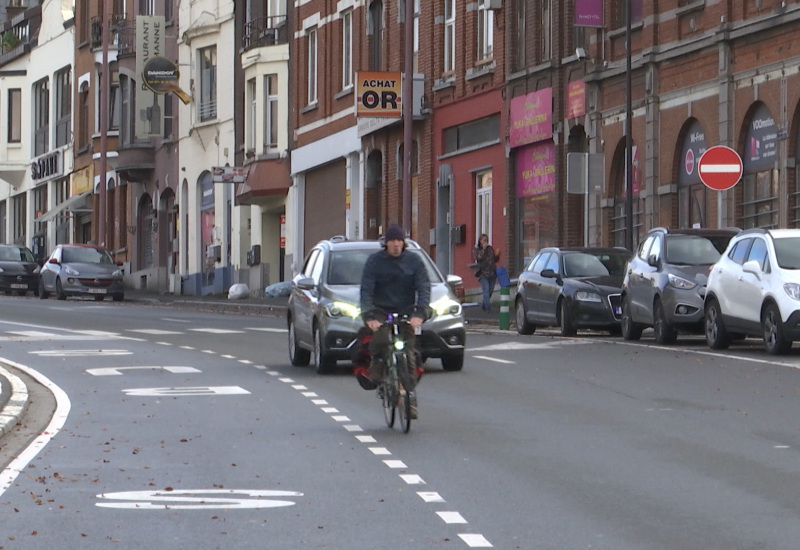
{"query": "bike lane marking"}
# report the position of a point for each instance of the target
(450, 517)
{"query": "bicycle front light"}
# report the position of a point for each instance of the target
(399, 345)
(446, 305)
(342, 309)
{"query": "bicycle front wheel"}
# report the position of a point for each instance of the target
(406, 385)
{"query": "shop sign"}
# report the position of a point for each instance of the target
(47, 167)
(531, 118)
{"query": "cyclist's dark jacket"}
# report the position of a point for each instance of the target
(395, 284)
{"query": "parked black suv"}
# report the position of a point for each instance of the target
(665, 281)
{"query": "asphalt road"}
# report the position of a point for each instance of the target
(190, 429)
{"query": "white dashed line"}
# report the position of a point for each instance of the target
(379, 451)
(395, 463)
(429, 496)
(309, 394)
(228, 356)
(495, 359)
(412, 479)
(300, 387)
(163, 343)
(475, 541)
(341, 418)
(330, 410)
(366, 439)
(451, 517)
(319, 401)
(353, 428)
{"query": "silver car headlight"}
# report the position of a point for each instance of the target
(680, 282)
(446, 305)
(342, 309)
(37, 270)
(584, 296)
(793, 290)
(70, 271)
(117, 273)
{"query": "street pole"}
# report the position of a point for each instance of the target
(408, 113)
(628, 136)
(104, 85)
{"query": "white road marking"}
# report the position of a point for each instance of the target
(494, 359)
(429, 496)
(217, 330)
(163, 343)
(264, 329)
(330, 410)
(228, 356)
(353, 428)
(115, 371)
(300, 387)
(319, 401)
(81, 352)
(309, 394)
(153, 331)
(287, 380)
(395, 463)
(176, 320)
(196, 499)
(379, 450)
(451, 517)
(412, 479)
(475, 541)
(181, 392)
(515, 346)
(341, 418)
(366, 438)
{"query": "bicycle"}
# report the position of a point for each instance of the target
(397, 389)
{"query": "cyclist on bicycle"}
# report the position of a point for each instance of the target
(393, 281)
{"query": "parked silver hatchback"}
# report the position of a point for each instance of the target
(323, 315)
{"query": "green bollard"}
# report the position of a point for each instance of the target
(503, 320)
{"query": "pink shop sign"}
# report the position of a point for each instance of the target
(531, 118)
(536, 170)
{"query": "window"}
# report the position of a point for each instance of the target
(547, 31)
(63, 99)
(471, 134)
(312, 65)
(483, 204)
(169, 117)
(114, 107)
(760, 200)
(14, 115)
(208, 83)
(271, 108)
(83, 115)
(252, 98)
(449, 35)
(127, 120)
(619, 13)
(276, 11)
(41, 117)
(485, 32)
(415, 55)
(521, 57)
(19, 205)
(376, 30)
(347, 49)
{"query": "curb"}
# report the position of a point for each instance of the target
(17, 403)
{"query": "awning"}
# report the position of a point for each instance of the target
(76, 203)
(264, 178)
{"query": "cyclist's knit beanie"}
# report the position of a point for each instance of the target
(394, 233)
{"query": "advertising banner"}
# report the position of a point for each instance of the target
(576, 99)
(531, 118)
(379, 94)
(150, 31)
(589, 13)
(536, 170)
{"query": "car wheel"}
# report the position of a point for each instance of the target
(43, 294)
(630, 330)
(565, 320)
(523, 326)
(452, 363)
(98, 298)
(322, 362)
(298, 356)
(663, 330)
(774, 340)
(716, 335)
(60, 290)
(22, 292)
(118, 297)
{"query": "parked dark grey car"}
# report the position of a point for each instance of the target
(572, 288)
(323, 315)
(19, 271)
(665, 281)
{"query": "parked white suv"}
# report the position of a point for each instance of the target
(754, 290)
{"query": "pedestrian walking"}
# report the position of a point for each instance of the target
(486, 258)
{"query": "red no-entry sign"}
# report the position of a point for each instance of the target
(720, 168)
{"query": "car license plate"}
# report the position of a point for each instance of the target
(618, 310)
(20, 286)
(97, 291)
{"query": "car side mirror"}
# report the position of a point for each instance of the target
(52, 261)
(119, 263)
(753, 267)
(551, 274)
(306, 283)
(652, 260)
(454, 280)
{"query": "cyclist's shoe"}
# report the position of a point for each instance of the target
(418, 372)
(412, 400)
(362, 375)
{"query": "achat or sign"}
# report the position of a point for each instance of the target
(379, 94)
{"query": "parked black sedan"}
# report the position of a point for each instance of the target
(572, 288)
(19, 271)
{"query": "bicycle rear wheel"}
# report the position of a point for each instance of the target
(406, 385)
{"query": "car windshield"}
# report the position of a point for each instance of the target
(346, 266)
(694, 249)
(86, 256)
(594, 264)
(13, 254)
(787, 252)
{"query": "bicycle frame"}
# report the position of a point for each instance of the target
(397, 381)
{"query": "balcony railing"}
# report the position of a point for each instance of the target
(265, 31)
(19, 33)
(97, 30)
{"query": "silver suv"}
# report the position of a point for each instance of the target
(665, 281)
(323, 316)
(754, 290)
